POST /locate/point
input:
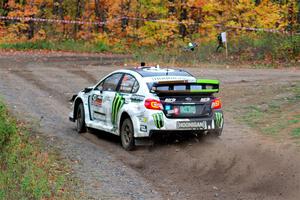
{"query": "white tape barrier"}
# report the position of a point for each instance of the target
(59, 21)
(254, 29)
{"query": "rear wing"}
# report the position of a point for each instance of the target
(186, 87)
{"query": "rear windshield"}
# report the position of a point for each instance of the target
(179, 87)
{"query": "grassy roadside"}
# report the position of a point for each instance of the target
(65, 45)
(278, 117)
(259, 50)
(27, 169)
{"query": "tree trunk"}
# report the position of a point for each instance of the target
(61, 9)
(171, 7)
(100, 13)
(125, 7)
(97, 14)
(78, 15)
(138, 14)
(183, 16)
(31, 25)
(31, 29)
(298, 15)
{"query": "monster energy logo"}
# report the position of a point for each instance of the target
(219, 119)
(117, 104)
(158, 120)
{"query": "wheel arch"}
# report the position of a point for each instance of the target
(76, 104)
(123, 116)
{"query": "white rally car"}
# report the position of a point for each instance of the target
(136, 103)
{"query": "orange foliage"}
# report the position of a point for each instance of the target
(128, 20)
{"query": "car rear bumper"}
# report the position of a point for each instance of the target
(157, 122)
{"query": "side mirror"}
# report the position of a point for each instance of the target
(87, 90)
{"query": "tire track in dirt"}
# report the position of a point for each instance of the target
(29, 77)
(49, 80)
(90, 73)
(84, 74)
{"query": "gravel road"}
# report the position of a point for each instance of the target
(240, 165)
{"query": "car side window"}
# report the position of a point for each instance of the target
(129, 84)
(110, 83)
(135, 87)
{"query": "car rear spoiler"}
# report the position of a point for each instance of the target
(206, 86)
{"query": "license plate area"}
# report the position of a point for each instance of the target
(194, 125)
(188, 109)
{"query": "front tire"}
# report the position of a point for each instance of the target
(127, 135)
(80, 124)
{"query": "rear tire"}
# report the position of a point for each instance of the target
(216, 133)
(80, 119)
(127, 135)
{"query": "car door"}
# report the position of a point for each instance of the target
(100, 101)
(128, 86)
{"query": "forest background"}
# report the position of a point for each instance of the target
(258, 31)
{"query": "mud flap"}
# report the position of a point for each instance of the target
(219, 119)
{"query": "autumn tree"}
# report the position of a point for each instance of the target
(145, 22)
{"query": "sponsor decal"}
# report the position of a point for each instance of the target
(170, 100)
(219, 119)
(137, 98)
(170, 112)
(164, 78)
(167, 107)
(117, 104)
(97, 100)
(204, 99)
(191, 124)
(176, 111)
(143, 119)
(143, 128)
(155, 69)
(158, 120)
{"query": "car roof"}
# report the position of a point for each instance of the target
(156, 71)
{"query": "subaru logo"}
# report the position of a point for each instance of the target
(188, 99)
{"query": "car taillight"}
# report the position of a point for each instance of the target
(216, 104)
(153, 104)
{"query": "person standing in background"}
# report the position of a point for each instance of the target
(220, 42)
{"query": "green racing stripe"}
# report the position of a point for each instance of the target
(117, 104)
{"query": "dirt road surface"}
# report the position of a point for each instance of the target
(241, 164)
